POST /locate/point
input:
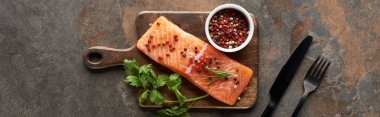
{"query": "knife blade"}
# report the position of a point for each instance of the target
(286, 75)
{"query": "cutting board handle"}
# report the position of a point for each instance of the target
(98, 57)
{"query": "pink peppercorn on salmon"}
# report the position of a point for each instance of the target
(187, 55)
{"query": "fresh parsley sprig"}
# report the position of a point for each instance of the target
(187, 100)
(144, 76)
(173, 82)
(175, 111)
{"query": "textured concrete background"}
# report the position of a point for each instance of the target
(41, 42)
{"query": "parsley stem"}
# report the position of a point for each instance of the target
(188, 100)
(192, 103)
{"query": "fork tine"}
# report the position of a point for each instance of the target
(319, 72)
(324, 71)
(312, 66)
(315, 70)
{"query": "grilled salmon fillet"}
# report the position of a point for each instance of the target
(187, 55)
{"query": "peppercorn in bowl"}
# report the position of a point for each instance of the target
(229, 28)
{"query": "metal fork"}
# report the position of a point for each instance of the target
(313, 79)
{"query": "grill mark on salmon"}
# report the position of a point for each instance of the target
(226, 91)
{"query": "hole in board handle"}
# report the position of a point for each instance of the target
(95, 58)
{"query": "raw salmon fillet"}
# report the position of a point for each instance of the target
(187, 55)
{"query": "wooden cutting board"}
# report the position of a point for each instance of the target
(192, 22)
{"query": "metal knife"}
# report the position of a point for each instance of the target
(286, 75)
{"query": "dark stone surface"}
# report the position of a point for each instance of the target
(42, 74)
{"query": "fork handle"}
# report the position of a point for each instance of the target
(300, 103)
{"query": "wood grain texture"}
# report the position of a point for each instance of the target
(192, 22)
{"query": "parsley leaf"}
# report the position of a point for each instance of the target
(133, 80)
(131, 67)
(161, 80)
(144, 82)
(156, 97)
(174, 112)
(143, 96)
(146, 73)
(173, 83)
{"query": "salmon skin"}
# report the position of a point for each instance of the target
(187, 55)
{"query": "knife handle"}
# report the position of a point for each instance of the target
(101, 57)
(268, 110)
